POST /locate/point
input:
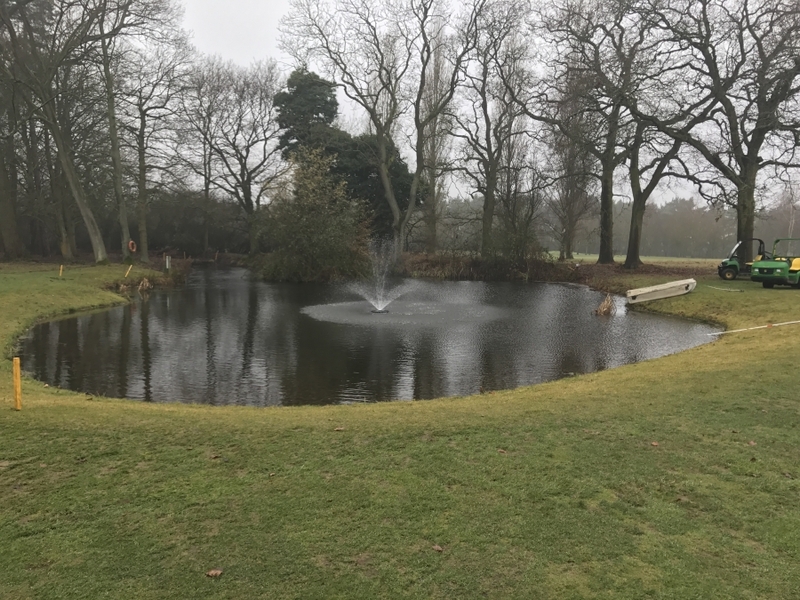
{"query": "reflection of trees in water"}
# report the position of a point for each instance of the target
(40, 341)
(69, 350)
(210, 391)
(426, 373)
(124, 350)
(147, 365)
(240, 341)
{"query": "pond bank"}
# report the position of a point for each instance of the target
(672, 478)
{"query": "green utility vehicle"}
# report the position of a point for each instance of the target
(784, 266)
(735, 265)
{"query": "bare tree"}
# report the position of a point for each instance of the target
(381, 54)
(9, 235)
(488, 116)
(199, 112)
(36, 40)
(519, 195)
(743, 56)
(128, 18)
(436, 149)
(245, 143)
(570, 196)
(155, 76)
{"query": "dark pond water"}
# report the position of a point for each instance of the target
(226, 339)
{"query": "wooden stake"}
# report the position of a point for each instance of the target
(61, 270)
(17, 384)
(128, 271)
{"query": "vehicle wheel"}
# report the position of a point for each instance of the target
(728, 273)
(768, 284)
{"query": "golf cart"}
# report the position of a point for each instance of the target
(783, 268)
(733, 266)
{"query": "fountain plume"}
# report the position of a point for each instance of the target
(377, 290)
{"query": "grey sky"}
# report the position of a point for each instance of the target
(238, 30)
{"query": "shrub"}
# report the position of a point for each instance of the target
(314, 232)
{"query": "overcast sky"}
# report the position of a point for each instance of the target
(239, 30)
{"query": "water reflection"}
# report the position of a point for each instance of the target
(226, 339)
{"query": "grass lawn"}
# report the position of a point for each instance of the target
(674, 478)
(708, 263)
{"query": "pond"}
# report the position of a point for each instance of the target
(225, 338)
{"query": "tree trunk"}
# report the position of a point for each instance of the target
(607, 216)
(78, 193)
(141, 180)
(431, 217)
(116, 158)
(569, 236)
(252, 232)
(206, 217)
(745, 214)
(56, 193)
(63, 245)
(9, 233)
(632, 259)
(388, 192)
(489, 204)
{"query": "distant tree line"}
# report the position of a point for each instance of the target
(499, 127)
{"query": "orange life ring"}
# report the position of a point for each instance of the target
(132, 246)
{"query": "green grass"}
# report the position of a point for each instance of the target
(552, 491)
(665, 261)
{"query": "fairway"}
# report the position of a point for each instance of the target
(674, 478)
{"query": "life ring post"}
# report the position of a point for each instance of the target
(132, 246)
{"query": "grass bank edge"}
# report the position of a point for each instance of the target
(107, 284)
(98, 293)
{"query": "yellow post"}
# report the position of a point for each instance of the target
(61, 270)
(17, 384)
(128, 271)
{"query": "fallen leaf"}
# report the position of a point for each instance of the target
(681, 499)
(501, 451)
(654, 443)
(788, 476)
(339, 429)
(215, 456)
(438, 548)
(214, 573)
(272, 474)
(734, 431)
(753, 459)
(751, 443)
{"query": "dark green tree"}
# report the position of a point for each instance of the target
(306, 111)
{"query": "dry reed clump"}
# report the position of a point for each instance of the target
(607, 307)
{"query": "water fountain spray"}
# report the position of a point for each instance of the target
(377, 290)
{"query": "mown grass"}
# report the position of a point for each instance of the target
(552, 491)
(649, 260)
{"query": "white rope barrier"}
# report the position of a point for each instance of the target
(752, 328)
